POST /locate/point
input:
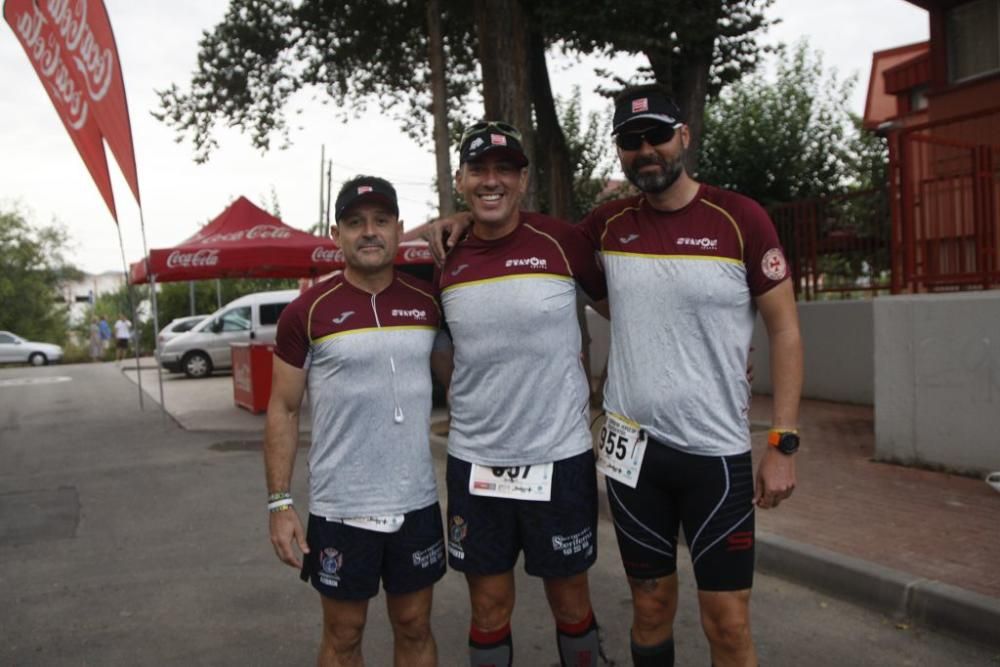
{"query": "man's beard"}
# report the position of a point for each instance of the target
(655, 182)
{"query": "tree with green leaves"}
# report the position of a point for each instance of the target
(32, 269)
(694, 49)
(794, 138)
(376, 51)
(783, 139)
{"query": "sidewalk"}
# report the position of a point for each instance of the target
(911, 543)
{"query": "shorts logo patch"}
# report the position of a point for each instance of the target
(433, 554)
(740, 541)
(331, 561)
(581, 542)
(774, 265)
(457, 530)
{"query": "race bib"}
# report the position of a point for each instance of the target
(620, 449)
(531, 482)
(380, 524)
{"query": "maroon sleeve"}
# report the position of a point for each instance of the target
(762, 253)
(582, 256)
(291, 342)
(591, 227)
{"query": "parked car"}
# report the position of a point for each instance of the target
(17, 350)
(250, 318)
(177, 326)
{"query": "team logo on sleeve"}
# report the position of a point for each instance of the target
(774, 265)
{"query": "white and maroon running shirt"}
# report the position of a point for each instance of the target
(681, 287)
(519, 394)
(368, 358)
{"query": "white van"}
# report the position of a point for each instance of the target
(250, 318)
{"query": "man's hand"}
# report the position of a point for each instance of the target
(775, 479)
(286, 532)
(453, 227)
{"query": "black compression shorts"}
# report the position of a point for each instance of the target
(710, 496)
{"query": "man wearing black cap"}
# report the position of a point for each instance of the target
(688, 266)
(520, 474)
(362, 342)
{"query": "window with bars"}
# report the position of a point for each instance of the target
(973, 33)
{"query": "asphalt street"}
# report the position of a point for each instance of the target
(127, 538)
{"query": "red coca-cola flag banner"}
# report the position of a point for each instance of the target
(72, 47)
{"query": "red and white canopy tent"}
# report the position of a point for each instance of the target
(245, 241)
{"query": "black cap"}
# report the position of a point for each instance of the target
(365, 188)
(645, 103)
(490, 136)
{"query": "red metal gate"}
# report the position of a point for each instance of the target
(947, 198)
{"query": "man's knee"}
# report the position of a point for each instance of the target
(727, 629)
(343, 636)
(412, 625)
(654, 602)
(492, 601)
(569, 598)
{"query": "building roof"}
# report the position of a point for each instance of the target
(893, 72)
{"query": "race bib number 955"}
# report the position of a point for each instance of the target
(620, 449)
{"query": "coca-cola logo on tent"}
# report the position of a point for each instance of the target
(205, 257)
(263, 232)
(417, 254)
(321, 255)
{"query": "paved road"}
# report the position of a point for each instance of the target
(127, 540)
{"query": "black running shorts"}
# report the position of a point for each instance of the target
(346, 563)
(558, 536)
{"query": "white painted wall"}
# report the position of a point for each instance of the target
(838, 352)
(937, 380)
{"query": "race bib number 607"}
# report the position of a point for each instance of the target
(620, 449)
(530, 482)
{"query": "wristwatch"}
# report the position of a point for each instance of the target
(785, 441)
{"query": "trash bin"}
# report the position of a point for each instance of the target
(252, 375)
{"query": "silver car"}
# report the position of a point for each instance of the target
(17, 350)
(208, 345)
(177, 326)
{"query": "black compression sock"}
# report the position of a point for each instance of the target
(661, 655)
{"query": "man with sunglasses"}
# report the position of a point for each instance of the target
(688, 265)
(520, 469)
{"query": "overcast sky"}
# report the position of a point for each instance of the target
(41, 172)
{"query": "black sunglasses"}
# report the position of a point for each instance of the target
(654, 136)
(503, 128)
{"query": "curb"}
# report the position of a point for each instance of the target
(899, 595)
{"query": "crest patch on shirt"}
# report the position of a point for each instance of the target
(774, 265)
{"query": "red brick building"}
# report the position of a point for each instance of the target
(938, 103)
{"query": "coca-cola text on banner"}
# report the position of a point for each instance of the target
(81, 44)
(40, 40)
